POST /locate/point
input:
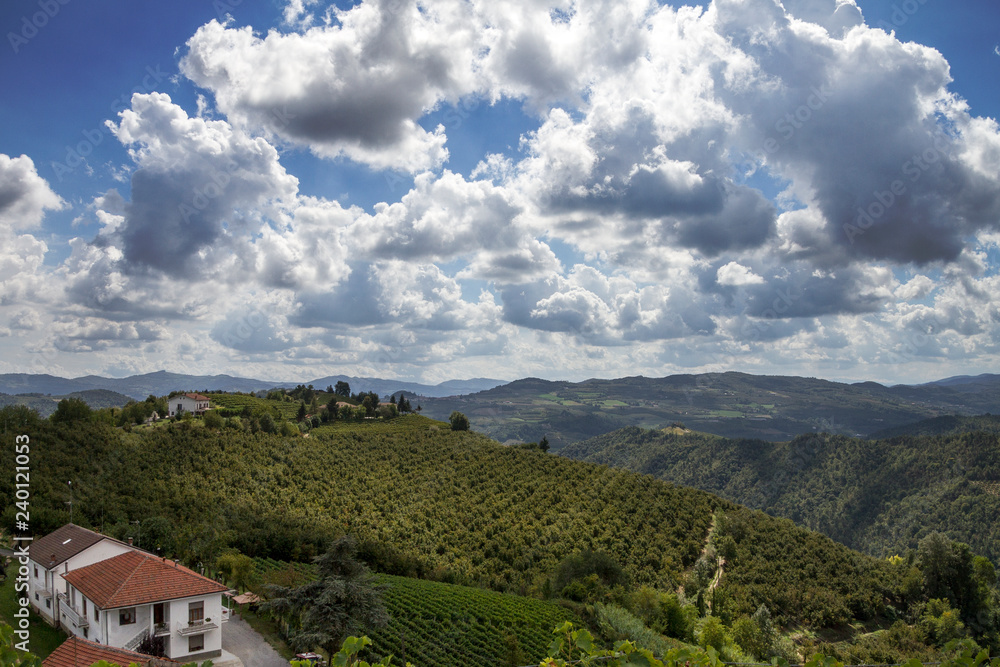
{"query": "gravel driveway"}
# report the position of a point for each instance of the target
(246, 644)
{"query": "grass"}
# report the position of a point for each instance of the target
(44, 638)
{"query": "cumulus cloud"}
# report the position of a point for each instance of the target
(736, 275)
(24, 199)
(199, 184)
(355, 87)
(629, 225)
(24, 195)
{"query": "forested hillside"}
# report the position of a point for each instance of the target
(944, 425)
(469, 509)
(735, 405)
(878, 496)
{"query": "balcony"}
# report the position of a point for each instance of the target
(70, 614)
(161, 629)
(196, 627)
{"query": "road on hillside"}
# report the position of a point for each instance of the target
(248, 645)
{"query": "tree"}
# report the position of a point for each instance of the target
(17, 418)
(543, 444)
(238, 569)
(756, 635)
(70, 410)
(369, 404)
(948, 570)
(213, 419)
(341, 602)
(302, 411)
(459, 422)
(342, 389)
(267, 424)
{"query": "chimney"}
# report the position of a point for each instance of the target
(130, 541)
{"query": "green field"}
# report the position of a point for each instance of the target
(44, 638)
(439, 625)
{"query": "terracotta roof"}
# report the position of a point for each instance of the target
(63, 543)
(135, 578)
(197, 397)
(77, 652)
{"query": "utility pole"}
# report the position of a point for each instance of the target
(70, 503)
(138, 533)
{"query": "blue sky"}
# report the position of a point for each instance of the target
(459, 188)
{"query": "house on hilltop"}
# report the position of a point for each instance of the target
(193, 403)
(76, 652)
(65, 549)
(123, 600)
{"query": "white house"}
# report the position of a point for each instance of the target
(194, 403)
(123, 600)
(52, 556)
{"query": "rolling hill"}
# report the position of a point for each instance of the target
(46, 405)
(729, 404)
(162, 383)
(476, 512)
(877, 496)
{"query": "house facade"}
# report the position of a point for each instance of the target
(194, 403)
(59, 552)
(123, 600)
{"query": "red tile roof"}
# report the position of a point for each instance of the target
(62, 544)
(197, 397)
(135, 578)
(77, 652)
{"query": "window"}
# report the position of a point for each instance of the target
(196, 612)
(85, 633)
(126, 616)
(48, 603)
(196, 643)
(84, 606)
(36, 597)
(97, 614)
(36, 572)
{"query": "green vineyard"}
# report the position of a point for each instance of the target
(433, 624)
(437, 624)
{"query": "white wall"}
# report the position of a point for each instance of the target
(102, 550)
(178, 644)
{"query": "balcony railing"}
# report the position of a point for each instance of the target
(161, 629)
(72, 615)
(196, 627)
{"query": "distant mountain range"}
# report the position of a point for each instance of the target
(161, 383)
(734, 405)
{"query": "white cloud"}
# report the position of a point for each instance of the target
(356, 87)
(736, 275)
(24, 195)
